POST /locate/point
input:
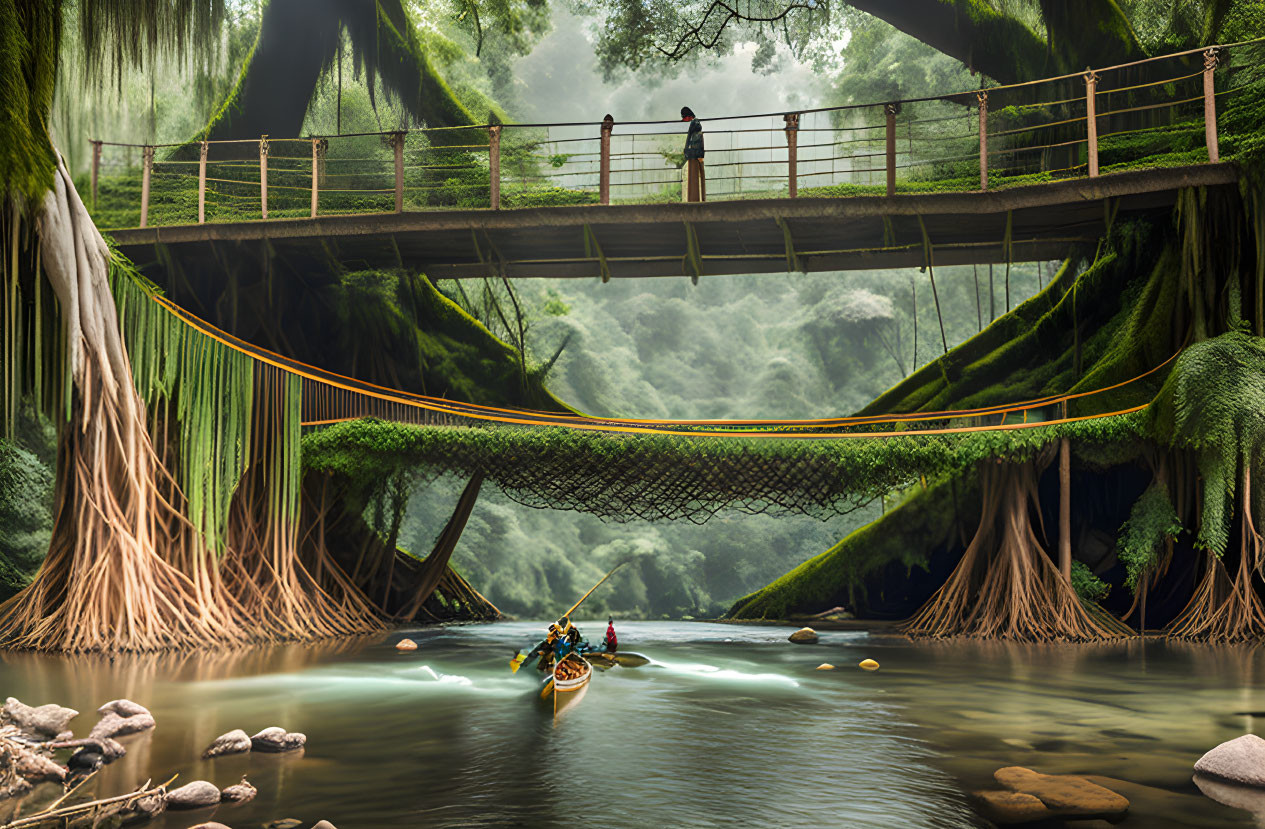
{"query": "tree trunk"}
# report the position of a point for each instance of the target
(1005, 585)
(1065, 509)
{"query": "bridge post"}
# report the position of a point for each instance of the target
(263, 175)
(494, 165)
(1210, 106)
(1091, 120)
(792, 151)
(147, 164)
(604, 162)
(316, 174)
(982, 97)
(890, 110)
(202, 150)
(96, 167)
(397, 141)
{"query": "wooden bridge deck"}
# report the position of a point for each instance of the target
(1047, 221)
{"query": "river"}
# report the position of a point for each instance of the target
(729, 725)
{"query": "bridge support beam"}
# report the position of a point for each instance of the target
(147, 164)
(890, 110)
(792, 151)
(1091, 121)
(1210, 106)
(263, 175)
(316, 172)
(494, 166)
(982, 97)
(202, 151)
(96, 167)
(604, 162)
(397, 143)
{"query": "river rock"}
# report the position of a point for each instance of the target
(825, 666)
(121, 717)
(238, 792)
(804, 636)
(1064, 794)
(124, 708)
(195, 795)
(232, 742)
(276, 739)
(211, 825)
(868, 665)
(85, 760)
(1241, 760)
(323, 824)
(1010, 807)
(406, 645)
(44, 722)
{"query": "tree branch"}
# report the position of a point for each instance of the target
(695, 33)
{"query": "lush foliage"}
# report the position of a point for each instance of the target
(1152, 522)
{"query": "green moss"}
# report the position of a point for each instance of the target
(904, 535)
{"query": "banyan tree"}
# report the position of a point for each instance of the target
(178, 489)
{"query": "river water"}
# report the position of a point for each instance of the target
(729, 725)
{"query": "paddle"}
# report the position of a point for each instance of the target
(594, 587)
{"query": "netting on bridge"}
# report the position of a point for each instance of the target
(623, 469)
(1159, 111)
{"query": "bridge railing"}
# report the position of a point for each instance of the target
(1163, 110)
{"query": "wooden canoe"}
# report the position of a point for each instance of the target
(555, 684)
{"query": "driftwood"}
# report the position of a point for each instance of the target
(144, 799)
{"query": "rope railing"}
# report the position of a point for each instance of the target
(990, 137)
(329, 398)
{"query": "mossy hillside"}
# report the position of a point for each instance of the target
(839, 575)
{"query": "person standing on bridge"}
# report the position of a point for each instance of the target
(695, 181)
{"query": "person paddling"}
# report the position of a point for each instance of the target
(612, 643)
(695, 181)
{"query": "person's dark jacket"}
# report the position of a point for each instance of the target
(694, 140)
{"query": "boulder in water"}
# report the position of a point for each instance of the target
(868, 665)
(1241, 760)
(406, 645)
(239, 792)
(1006, 808)
(196, 795)
(1064, 794)
(825, 666)
(323, 824)
(86, 760)
(210, 825)
(804, 636)
(121, 717)
(232, 742)
(277, 739)
(44, 722)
